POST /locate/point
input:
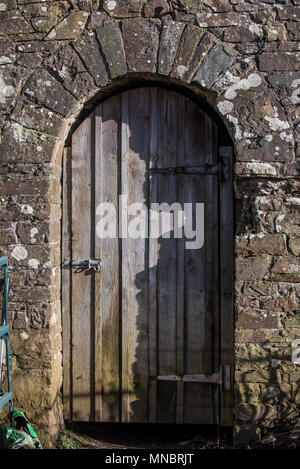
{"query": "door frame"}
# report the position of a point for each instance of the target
(226, 276)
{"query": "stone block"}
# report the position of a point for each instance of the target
(37, 117)
(169, 40)
(186, 51)
(213, 20)
(259, 336)
(288, 12)
(71, 26)
(71, 73)
(257, 319)
(283, 61)
(213, 65)
(293, 30)
(44, 89)
(156, 9)
(13, 25)
(122, 8)
(243, 34)
(253, 268)
(111, 41)
(286, 269)
(39, 315)
(266, 243)
(294, 245)
(275, 32)
(88, 49)
(141, 40)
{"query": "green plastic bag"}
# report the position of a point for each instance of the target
(18, 433)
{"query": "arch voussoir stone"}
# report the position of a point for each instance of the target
(193, 46)
(111, 41)
(170, 36)
(141, 41)
(68, 69)
(44, 89)
(87, 47)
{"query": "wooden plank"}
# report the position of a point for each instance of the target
(180, 265)
(138, 251)
(81, 284)
(125, 272)
(226, 280)
(135, 331)
(66, 285)
(153, 259)
(167, 264)
(107, 157)
(211, 249)
(135, 261)
(98, 278)
(198, 405)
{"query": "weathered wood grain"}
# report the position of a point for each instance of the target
(107, 160)
(226, 279)
(81, 284)
(66, 285)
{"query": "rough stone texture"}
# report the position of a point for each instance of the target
(89, 51)
(189, 42)
(70, 72)
(217, 61)
(141, 44)
(170, 37)
(243, 57)
(46, 90)
(112, 45)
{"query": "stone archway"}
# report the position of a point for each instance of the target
(71, 80)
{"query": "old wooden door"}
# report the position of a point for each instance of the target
(144, 338)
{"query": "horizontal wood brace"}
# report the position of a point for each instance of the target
(192, 170)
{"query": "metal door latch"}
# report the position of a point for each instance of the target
(222, 378)
(81, 265)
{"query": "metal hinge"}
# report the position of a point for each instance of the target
(83, 264)
(223, 378)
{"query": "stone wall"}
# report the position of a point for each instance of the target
(241, 56)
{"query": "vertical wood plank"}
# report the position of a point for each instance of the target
(136, 330)
(180, 266)
(226, 279)
(153, 259)
(81, 283)
(139, 257)
(98, 278)
(125, 268)
(66, 285)
(199, 335)
(107, 158)
(212, 258)
(167, 262)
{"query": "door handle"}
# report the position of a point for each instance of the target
(80, 265)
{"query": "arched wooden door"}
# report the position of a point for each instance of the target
(148, 338)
